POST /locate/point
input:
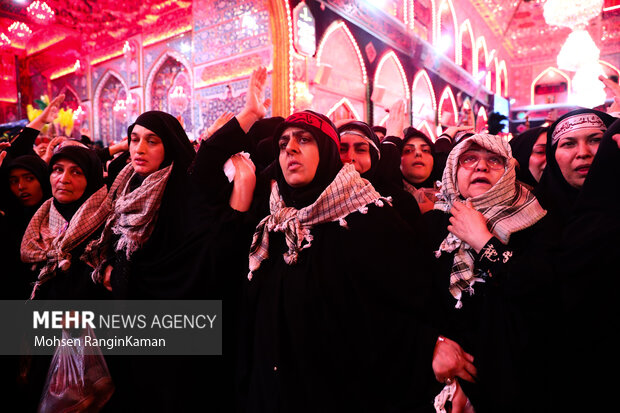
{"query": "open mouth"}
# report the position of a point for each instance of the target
(583, 169)
(481, 181)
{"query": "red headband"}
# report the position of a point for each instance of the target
(315, 121)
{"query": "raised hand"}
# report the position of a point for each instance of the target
(219, 122)
(49, 114)
(615, 90)
(255, 103)
(244, 182)
(51, 147)
(397, 121)
(3, 147)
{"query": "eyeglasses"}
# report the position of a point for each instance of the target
(471, 160)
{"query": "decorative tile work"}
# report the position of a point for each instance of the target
(211, 102)
(227, 28)
(231, 69)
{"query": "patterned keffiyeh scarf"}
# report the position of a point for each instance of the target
(508, 207)
(130, 215)
(49, 238)
(347, 193)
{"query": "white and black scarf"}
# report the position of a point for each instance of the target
(508, 207)
(347, 193)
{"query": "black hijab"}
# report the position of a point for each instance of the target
(261, 136)
(554, 193)
(522, 146)
(367, 131)
(38, 167)
(160, 268)
(326, 135)
(90, 164)
(177, 146)
(437, 171)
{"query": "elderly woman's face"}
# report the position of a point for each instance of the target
(68, 181)
(478, 170)
(299, 156)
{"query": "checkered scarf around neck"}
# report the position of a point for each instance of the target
(347, 193)
(130, 214)
(508, 207)
(49, 238)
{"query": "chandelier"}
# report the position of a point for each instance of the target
(579, 53)
(40, 12)
(20, 31)
(574, 14)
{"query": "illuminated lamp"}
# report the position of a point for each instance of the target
(178, 98)
(40, 12)
(5, 42)
(120, 110)
(19, 31)
(578, 49)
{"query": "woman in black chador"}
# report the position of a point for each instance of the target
(335, 299)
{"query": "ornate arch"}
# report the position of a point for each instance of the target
(346, 103)
(427, 129)
(403, 77)
(421, 80)
(155, 68)
(491, 76)
(97, 97)
(333, 28)
(455, 26)
(481, 43)
(548, 70)
(502, 79)
(448, 95)
(466, 29)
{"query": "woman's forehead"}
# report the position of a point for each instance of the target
(141, 130)
(295, 130)
(66, 162)
(582, 133)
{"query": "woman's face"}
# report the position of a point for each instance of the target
(356, 150)
(575, 152)
(67, 180)
(538, 158)
(416, 162)
(25, 186)
(478, 170)
(146, 150)
(299, 156)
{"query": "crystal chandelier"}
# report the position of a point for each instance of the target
(19, 31)
(40, 12)
(574, 14)
(579, 53)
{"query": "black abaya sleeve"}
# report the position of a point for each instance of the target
(22, 144)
